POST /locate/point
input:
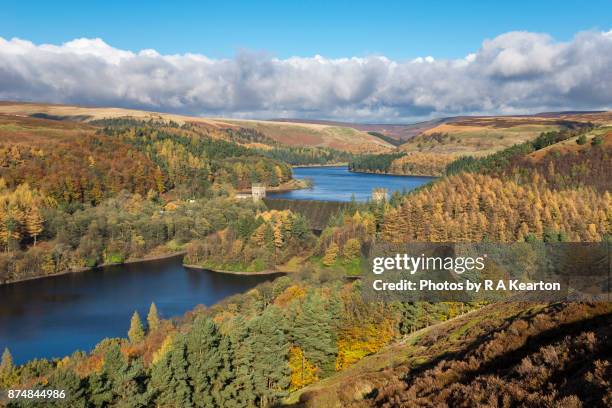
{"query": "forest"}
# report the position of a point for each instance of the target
(305, 156)
(123, 190)
(258, 348)
(374, 163)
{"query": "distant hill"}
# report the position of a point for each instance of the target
(399, 132)
(459, 135)
(405, 132)
(319, 135)
(290, 134)
(484, 135)
(571, 146)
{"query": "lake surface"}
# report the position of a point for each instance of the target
(339, 184)
(54, 316)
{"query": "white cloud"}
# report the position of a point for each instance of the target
(517, 72)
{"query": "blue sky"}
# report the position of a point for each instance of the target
(397, 29)
(344, 60)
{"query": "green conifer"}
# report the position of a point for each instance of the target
(315, 335)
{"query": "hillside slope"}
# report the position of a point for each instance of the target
(501, 355)
(480, 136)
(399, 132)
(291, 134)
(311, 134)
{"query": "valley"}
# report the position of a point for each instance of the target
(84, 188)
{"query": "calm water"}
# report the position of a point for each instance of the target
(54, 316)
(338, 184)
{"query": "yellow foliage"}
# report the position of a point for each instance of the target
(331, 254)
(356, 342)
(165, 347)
(471, 207)
(352, 249)
(171, 206)
(64, 362)
(289, 294)
(303, 372)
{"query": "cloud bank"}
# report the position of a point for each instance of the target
(517, 72)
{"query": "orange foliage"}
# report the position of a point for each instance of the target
(288, 295)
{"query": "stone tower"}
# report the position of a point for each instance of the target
(379, 194)
(258, 191)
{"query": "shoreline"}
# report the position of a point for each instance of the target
(234, 272)
(294, 184)
(341, 164)
(393, 174)
(91, 268)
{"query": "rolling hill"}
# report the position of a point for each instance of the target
(479, 136)
(471, 126)
(290, 134)
(399, 132)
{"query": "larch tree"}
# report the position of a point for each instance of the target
(6, 364)
(136, 332)
(331, 254)
(352, 249)
(152, 318)
(34, 223)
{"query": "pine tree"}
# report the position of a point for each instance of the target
(169, 384)
(65, 379)
(243, 356)
(152, 318)
(204, 362)
(314, 333)
(136, 332)
(115, 366)
(271, 372)
(100, 389)
(131, 388)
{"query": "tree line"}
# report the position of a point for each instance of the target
(250, 351)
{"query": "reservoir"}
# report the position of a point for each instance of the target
(339, 184)
(54, 316)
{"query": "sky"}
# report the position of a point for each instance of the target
(354, 61)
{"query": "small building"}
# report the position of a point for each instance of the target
(258, 191)
(379, 194)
